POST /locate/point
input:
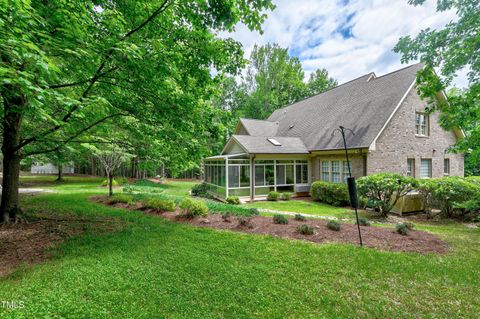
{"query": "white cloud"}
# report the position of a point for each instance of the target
(312, 30)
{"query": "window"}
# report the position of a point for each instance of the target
(446, 166)
(425, 168)
(326, 171)
(302, 172)
(336, 172)
(411, 167)
(421, 124)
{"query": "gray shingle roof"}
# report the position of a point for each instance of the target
(361, 106)
(259, 127)
(261, 145)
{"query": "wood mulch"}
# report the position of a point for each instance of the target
(382, 238)
(31, 241)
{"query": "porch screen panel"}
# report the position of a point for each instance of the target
(233, 176)
(259, 175)
(289, 178)
(244, 176)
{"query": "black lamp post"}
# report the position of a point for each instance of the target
(352, 188)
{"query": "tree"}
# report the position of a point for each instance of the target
(69, 66)
(320, 82)
(274, 79)
(448, 51)
(111, 158)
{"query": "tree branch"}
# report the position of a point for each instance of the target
(56, 148)
(95, 77)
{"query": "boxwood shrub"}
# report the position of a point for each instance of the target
(335, 194)
(273, 196)
(165, 205)
(233, 200)
(192, 208)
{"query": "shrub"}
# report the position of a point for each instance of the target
(285, 196)
(299, 217)
(164, 205)
(233, 200)
(335, 194)
(192, 208)
(200, 190)
(280, 219)
(453, 196)
(254, 211)
(245, 221)
(105, 183)
(385, 189)
(120, 198)
(363, 221)
(305, 229)
(273, 196)
(402, 229)
(333, 225)
(122, 180)
(409, 225)
(226, 217)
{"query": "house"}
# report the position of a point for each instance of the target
(49, 168)
(298, 144)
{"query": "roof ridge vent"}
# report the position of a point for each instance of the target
(372, 76)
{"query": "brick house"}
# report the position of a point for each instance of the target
(296, 144)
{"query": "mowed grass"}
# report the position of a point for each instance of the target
(156, 268)
(304, 207)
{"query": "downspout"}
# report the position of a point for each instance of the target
(252, 178)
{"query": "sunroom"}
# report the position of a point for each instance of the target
(251, 167)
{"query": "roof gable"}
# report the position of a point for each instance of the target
(256, 127)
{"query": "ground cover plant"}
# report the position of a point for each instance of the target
(147, 267)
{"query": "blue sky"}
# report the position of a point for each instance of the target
(347, 37)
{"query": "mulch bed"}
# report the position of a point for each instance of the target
(376, 237)
(30, 241)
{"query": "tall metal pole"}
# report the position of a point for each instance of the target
(352, 190)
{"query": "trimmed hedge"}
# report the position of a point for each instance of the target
(335, 194)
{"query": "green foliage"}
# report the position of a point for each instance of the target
(193, 208)
(200, 190)
(164, 205)
(335, 194)
(320, 82)
(226, 217)
(299, 217)
(402, 229)
(363, 221)
(450, 50)
(385, 189)
(285, 196)
(254, 211)
(120, 198)
(305, 229)
(245, 221)
(333, 225)
(273, 196)
(233, 200)
(220, 208)
(274, 79)
(453, 196)
(105, 183)
(280, 219)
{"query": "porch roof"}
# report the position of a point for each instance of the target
(267, 144)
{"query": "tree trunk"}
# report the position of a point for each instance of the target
(110, 186)
(11, 123)
(60, 173)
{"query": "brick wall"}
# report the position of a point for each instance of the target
(399, 142)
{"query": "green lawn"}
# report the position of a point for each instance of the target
(156, 268)
(305, 207)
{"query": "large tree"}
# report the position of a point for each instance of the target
(320, 82)
(454, 48)
(69, 66)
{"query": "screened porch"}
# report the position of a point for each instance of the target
(251, 177)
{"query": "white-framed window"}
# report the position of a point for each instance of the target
(411, 167)
(426, 168)
(326, 171)
(336, 172)
(446, 166)
(421, 124)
